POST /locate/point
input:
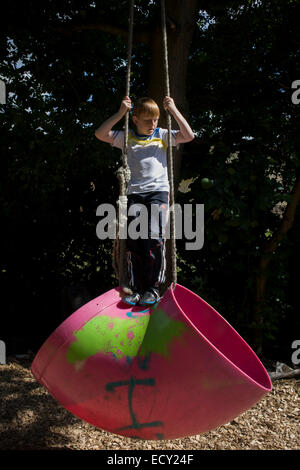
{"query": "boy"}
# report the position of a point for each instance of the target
(148, 185)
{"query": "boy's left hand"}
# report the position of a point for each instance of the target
(169, 104)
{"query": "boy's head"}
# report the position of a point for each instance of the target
(145, 115)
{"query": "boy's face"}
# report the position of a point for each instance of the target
(145, 124)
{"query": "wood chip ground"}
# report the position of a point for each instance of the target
(31, 419)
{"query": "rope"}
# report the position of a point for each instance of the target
(127, 92)
(170, 153)
(123, 173)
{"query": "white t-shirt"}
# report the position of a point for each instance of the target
(147, 159)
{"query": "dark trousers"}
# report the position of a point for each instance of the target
(146, 258)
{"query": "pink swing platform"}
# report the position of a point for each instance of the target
(174, 370)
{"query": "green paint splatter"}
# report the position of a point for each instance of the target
(121, 337)
(129, 337)
(160, 333)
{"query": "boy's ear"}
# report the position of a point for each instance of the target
(134, 119)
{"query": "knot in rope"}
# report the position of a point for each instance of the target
(123, 174)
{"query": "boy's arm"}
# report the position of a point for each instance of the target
(104, 132)
(185, 133)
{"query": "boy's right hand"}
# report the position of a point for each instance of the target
(104, 132)
(125, 105)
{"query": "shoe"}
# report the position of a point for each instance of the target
(150, 297)
(131, 299)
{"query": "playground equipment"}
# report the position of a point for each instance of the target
(174, 370)
(171, 371)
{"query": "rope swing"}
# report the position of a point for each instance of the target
(123, 173)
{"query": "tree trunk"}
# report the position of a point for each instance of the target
(266, 257)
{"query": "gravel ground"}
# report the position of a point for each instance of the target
(31, 419)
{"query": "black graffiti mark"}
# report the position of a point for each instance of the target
(144, 362)
(160, 437)
(131, 383)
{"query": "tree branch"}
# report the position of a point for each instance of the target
(268, 250)
(287, 219)
(139, 35)
(271, 246)
(284, 375)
